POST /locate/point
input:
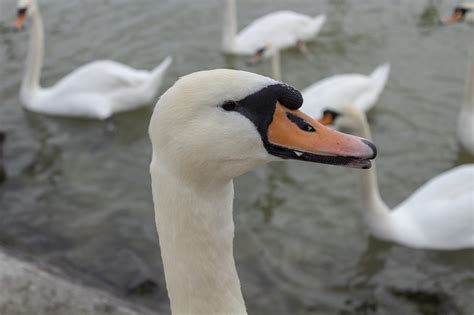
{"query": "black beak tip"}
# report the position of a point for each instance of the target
(373, 147)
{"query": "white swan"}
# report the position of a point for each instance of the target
(210, 127)
(282, 29)
(95, 90)
(465, 13)
(331, 93)
(438, 215)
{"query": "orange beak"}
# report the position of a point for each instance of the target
(456, 17)
(293, 134)
(20, 19)
(327, 119)
(256, 58)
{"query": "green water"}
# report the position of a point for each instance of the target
(79, 197)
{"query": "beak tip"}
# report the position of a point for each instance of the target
(372, 147)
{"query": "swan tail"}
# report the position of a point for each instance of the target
(379, 78)
(318, 22)
(157, 75)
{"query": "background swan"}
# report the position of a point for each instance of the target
(331, 93)
(95, 90)
(465, 13)
(281, 29)
(438, 215)
(210, 127)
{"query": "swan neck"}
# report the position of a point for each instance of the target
(34, 62)
(276, 65)
(196, 231)
(230, 26)
(372, 202)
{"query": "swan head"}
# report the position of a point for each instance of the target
(463, 12)
(226, 122)
(347, 118)
(265, 52)
(25, 8)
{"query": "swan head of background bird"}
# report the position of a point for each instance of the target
(258, 56)
(267, 51)
(462, 13)
(347, 118)
(226, 122)
(25, 8)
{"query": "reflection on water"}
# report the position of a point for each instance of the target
(78, 195)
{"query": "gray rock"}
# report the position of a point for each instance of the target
(26, 289)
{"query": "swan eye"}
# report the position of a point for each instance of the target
(229, 106)
(300, 122)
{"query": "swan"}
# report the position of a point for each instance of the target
(438, 215)
(333, 92)
(95, 90)
(465, 131)
(208, 128)
(282, 29)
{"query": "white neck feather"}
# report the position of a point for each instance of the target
(230, 26)
(276, 65)
(377, 213)
(30, 83)
(196, 230)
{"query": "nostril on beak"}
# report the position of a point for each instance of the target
(372, 146)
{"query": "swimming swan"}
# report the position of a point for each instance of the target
(208, 128)
(281, 29)
(465, 13)
(438, 215)
(95, 90)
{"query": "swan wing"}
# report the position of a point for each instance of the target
(333, 92)
(447, 186)
(281, 29)
(101, 77)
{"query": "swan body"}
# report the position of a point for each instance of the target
(438, 215)
(208, 128)
(95, 90)
(280, 29)
(331, 93)
(465, 131)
